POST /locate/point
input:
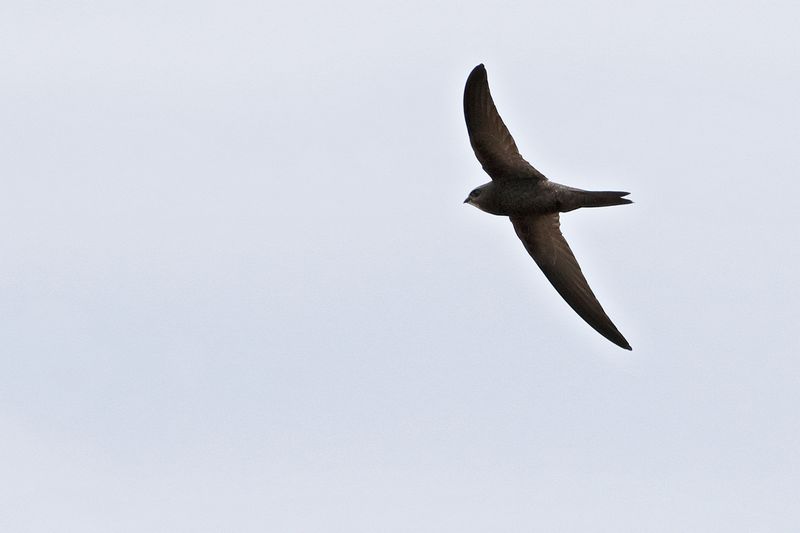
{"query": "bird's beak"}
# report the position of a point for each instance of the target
(467, 200)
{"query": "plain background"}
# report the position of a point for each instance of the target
(240, 291)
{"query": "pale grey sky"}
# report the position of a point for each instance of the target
(240, 291)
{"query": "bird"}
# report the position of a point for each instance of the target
(533, 203)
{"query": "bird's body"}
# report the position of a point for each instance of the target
(524, 196)
(533, 203)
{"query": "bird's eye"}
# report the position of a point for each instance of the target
(475, 193)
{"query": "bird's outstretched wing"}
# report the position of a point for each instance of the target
(493, 145)
(541, 235)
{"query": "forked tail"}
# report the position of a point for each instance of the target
(603, 198)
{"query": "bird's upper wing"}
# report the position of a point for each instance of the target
(493, 145)
(541, 235)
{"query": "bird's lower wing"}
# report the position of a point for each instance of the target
(541, 235)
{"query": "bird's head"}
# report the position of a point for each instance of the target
(479, 197)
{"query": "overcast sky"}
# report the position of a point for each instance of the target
(240, 291)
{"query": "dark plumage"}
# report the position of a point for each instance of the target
(533, 204)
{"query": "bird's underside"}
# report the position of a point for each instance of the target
(539, 228)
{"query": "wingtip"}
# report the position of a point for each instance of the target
(620, 341)
(616, 337)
